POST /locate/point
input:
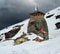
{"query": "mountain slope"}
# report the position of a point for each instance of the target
(51, 21)
(20, 32)
(51, 46)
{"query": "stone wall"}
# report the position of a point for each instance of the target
(35, 24)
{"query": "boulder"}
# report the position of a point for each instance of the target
(37, 39)
(11, 33)
(21, 39)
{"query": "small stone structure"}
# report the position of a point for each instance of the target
(38, 25)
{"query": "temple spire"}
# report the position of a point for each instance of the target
(36, 8)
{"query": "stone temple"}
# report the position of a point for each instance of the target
(37, 24)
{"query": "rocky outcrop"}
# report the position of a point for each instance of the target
(12, 32)
(37, 39)
(58, 17)
(57, 25)
(21, 39)
(49, 16)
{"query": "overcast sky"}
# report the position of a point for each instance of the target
(14, 11)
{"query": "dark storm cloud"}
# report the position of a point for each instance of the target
(13, 11)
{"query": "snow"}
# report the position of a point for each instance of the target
(31, 47)
(51, 46)
(23, 29)
(53, 32)
(7, 43)
(33, 36)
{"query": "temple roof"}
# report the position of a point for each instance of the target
(35, 12)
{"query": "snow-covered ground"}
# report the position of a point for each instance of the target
(51, 46)
(53, 32)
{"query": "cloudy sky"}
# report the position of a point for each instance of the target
(14, 11)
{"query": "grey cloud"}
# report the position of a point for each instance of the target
(47, 5)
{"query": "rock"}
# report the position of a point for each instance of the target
(50, 16)
(37, 39)
(0, 39)
(58, 17)
(21, 39)
(11, 33)
(19, 26)
(58, 25)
